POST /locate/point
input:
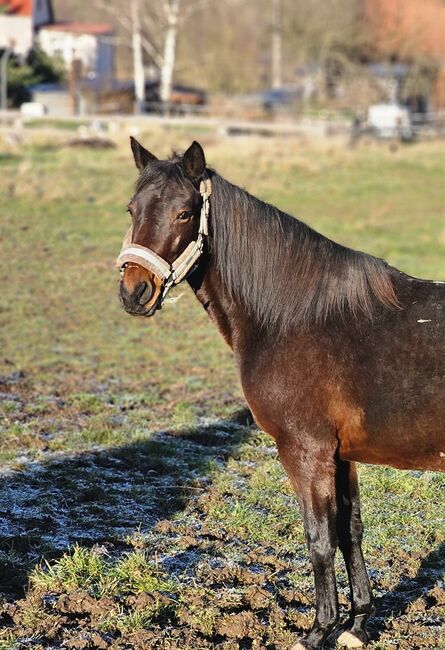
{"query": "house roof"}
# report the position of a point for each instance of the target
(81, 28)
(16, 7)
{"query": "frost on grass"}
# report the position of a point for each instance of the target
(107, 493)
(181, 575)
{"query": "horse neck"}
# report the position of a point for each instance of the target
(228, 314)
(278, 275)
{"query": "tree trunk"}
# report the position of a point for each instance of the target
(168, 64)
(276, 57)
(138, 61)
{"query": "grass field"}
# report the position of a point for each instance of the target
(139, 507)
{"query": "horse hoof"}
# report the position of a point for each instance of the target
(349, 640)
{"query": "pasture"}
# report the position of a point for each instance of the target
(139, 506)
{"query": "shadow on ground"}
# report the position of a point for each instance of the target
(105, 495)
(415, 596)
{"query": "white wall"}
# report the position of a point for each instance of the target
(96, 54)
(16, 31)
(70, 46)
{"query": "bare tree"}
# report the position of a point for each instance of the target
(236, 46)
(171, 10)
(138, 58)
(154, 26)
(277, 77)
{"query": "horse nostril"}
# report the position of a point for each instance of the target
(143, 293)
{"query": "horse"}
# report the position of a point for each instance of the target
(340, 355)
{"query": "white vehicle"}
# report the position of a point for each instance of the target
(390, 121)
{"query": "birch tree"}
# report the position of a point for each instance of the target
(171, 11)
(138, 57)
(153, 26)
(277, 47)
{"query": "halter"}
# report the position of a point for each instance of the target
(170, 274)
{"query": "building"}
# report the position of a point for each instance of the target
(25, 24)
(19, 22)
(90, 43)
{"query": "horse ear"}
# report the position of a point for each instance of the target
(194, 162)
(141, 156)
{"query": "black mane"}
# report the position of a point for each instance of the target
(284, 272)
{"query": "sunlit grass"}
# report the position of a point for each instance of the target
(87, 569)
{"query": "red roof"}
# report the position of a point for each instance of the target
(81, 28)
(17, 7)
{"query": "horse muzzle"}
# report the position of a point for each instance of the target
(140, 291)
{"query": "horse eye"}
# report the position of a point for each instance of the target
(184, 216)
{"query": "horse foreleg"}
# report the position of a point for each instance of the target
(312, 472)
(350, 533)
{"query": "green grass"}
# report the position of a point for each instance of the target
(86, 569)
(131, 503)
(67, 125)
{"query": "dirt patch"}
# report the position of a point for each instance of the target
(241, 625)
(80, 602)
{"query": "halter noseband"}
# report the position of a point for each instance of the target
(170, 274)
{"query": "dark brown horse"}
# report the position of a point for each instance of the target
(341, 357)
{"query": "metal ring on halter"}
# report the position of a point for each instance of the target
(170, 274)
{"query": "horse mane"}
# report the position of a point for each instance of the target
(283, 271)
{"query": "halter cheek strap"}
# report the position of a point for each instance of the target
(169, 274)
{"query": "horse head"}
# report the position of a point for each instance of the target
(169, 213)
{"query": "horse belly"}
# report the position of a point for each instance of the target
(404, 439)
(393, 456)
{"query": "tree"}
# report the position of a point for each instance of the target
(37, 68)
(138, 58)
(153, 26)
(162, 31)
(277, 44)
(412, 32)
(171, 11)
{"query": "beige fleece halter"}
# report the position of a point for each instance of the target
(170, 274)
